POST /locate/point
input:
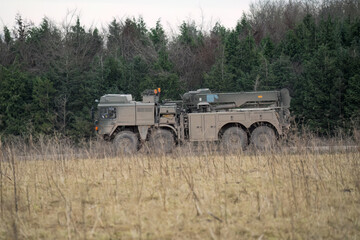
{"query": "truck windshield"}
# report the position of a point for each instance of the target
(107, 113)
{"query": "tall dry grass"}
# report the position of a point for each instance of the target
(50, 189)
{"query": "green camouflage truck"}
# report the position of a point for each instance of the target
(234, 120)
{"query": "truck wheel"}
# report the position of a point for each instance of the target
(126, 142)
(263, 138)
(234, 139)
(162, 141)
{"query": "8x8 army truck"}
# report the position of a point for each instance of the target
(235, 120)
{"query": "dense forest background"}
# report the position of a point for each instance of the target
(51, 74)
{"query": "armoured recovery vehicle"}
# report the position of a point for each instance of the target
(234, 120)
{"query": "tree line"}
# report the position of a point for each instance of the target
(51, 74)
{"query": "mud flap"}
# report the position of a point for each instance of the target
(143, 130)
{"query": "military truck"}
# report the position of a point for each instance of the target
(234, 120)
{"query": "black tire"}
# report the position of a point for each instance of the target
(263, 138)
(162, 141)
(126, 142)
(234, 139)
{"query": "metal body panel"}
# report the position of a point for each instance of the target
(195, 127)
(234, 100)
(164, 109)
(210, 132)
(145, 113)
(167, 114)
(202, 127)
(248, 118)
(206, 126)
(231, 117)
(106, 127)
(143, 131)
(126, 114)
(168, 119)
(116, 98)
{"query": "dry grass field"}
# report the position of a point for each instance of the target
(191, 194)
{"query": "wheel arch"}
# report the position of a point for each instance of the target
(264, 123)
(126, 147)
(168, 127)
(229, 125)
(120, 128)
(166, 132)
